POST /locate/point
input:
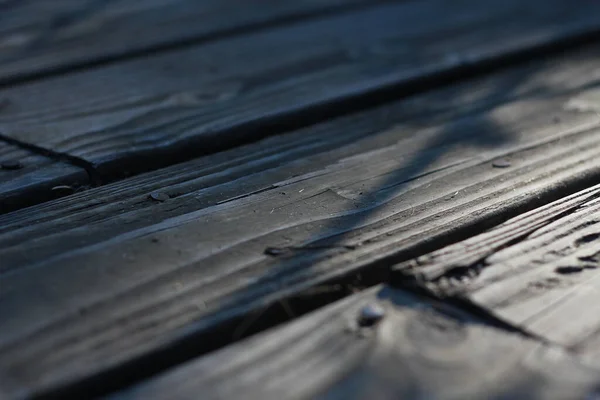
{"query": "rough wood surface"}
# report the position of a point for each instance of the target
(419, 350)
(537, 271)
(40, 36)
(145, 113)
(27, 179)
(134, 275)
(517, 107)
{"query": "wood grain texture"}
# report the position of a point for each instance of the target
(27, 179)
(146, 113)
(407, 135)
(419, 350)
(537, 271)
(39, 37)
(105, 278)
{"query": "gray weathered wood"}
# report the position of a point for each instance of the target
(419, 350)
(145, 113)
(537, 271)
(27, 179)
(396, 134)
(133, 275)
(40, 36)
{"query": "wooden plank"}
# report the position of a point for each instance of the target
(27, 178)
(419, 350)
(537, 271)
(38, 37)
(113, 275)
(151, 112)
(315, 154)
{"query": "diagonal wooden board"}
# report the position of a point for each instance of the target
(38, 37)
(531, 104)
(27, 178)
(419, 350)
(538, 271)
(145, 113)
(133, 276)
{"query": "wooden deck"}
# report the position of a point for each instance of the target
(273, 199)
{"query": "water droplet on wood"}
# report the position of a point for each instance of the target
(159, 196)
(370, 315)
(63, 190)
(501, 164)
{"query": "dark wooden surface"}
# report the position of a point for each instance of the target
(510, 111)
(27, 178)
(447, 148)
(40, 37)
(419, 350)
(120, 265)
(536, 271)
(146, 113)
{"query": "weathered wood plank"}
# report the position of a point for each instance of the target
(319, 154)
(27, 179)
(419, 350)
(39, 36)
(537, 271)
(132, 275)
(146, 113)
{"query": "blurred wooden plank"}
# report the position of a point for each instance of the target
(112, 276)
(537, 271)
(419, 350)
(27, 179)
(146, 113)
(38, 37)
